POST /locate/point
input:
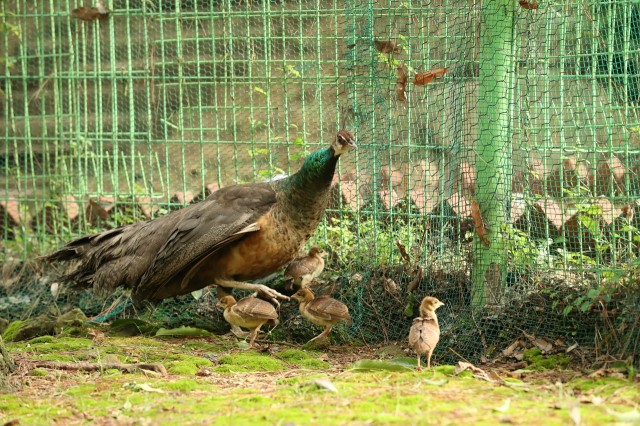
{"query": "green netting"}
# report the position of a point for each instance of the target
(531, 116)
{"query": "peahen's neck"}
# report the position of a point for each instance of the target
(306, 192)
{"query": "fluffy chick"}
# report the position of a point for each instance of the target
(323, 311)
(250, 312)
(302, 271)
(425, 330)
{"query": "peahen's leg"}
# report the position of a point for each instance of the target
(263, 290)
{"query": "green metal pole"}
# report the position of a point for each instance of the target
(493, 149)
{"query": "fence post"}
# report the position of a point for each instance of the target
(493, 149)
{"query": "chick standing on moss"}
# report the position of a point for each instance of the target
(302, 271)
(425, 330)
(323, 310)
(250, 312)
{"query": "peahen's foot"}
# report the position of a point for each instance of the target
(270, 294)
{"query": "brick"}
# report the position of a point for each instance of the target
(609, 174)
(571, 173)
(100, 208)
(208, 190)
(537, 216)
(182, 197)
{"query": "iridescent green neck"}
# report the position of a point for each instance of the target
(315, 174)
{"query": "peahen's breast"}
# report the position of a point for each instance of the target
(262, 252)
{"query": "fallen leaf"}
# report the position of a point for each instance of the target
(527, 4)
(545, 345)
(590, 399)
(183, 331)
(509, 351)
(142, 387)
(628, 417)
(98, 12)
(478, 373)
(464, 366)
(436, 382)
(478, 223)
(324, 384)
(425, 77)
(572, 347)
(574, 413)
(401, 85)
(504, 407)
(373, 365)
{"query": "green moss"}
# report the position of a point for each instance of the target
(187, 365)
(302, 359)
(186, 385)
(112, 372)
(12, 331)
(537, 361)
(249, 361)
(203, 346)
(42, 339)
(57, 357)
(61, 344)
(449, 370)
(39, 372)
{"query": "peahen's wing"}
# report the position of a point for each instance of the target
(225, 216)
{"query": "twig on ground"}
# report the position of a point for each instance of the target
(87, 366)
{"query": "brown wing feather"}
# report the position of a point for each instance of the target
(148, 257)
(424, 334)
(256, 308)
(301, 267)
(328, 309)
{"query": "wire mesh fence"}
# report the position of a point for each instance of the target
(498, 165)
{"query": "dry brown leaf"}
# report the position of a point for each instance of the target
(425, 77)
(545, 345)
(510, 350)
(528, 5)
(387, 46)
(478, 223)
(401, 85)
(464, 366)
(85, 13)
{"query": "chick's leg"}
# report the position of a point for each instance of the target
(322, 335)
(254, 333)
(264, 291)
(419, 367)
(429, 359)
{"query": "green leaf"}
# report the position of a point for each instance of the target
(593, 293)
(259, 90)
(183, 332)
(131, 327)
(378, 365)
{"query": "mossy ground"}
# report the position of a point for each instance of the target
(212, 381)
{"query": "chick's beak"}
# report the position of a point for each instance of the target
(352, 144)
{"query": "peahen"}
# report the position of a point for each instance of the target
(238, 233)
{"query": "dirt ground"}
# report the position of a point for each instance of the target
(217, 380)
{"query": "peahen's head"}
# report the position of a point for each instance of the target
(344, 142)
